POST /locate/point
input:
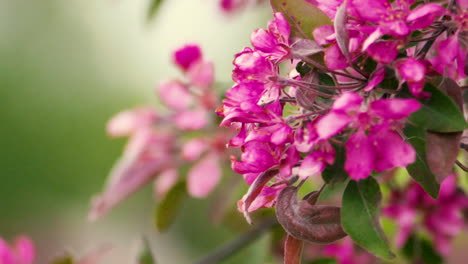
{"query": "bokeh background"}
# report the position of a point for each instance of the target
(66, 66)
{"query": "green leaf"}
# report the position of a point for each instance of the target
(153, 9)
(324, 261)
(169, 206)
(420, 170)
(302, 16)
(66, 259)
(335, 173)
(439, 113)
(146, 256)
(359, 216)
(420, 250)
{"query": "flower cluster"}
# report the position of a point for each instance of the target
(21, 252)
(442, 217)
(354, 107)
(161, 141)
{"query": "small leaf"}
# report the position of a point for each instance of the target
(146, 256)
(420, 250)
(167, 209)
(304, 47)
(302, 16)
(439, 113)
(324, 261)
(255, 189)
(153, 9)
(442, 148)
(292, 250)
(342, 36)
(441, 152)
(360, 213)
(420, 170)
(307, 222)
(66, 259)
(335, 173)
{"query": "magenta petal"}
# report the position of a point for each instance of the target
(332, 123)
(334, 59)
(25, 250)
(348, 102)
(411, 70)
(280, 26)
(392, 151)
(424, 15)
(204, 176)
(360, 155)
(311, 165)
(383, 51)
(394, 108)
(186, 55)
(376, 78)
(323, 33)
(262, 40)
(6, 256)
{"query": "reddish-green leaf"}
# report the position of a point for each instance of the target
(308, 222)
(342, 36)
(167, 210)
(420, 170)
(292, 250)
(301, 15)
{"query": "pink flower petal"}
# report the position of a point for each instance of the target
(360, 155)
(194, 148)
(394, 109)
(348, 102)
(201, 74)
(25, 250)
(204, 176)
(185, 56)
(128, 122)
(334, 59)
(191, 120)
(332, 123)
(392, 151)
(6, 255)
(423, 15)
(311, 165)
(175, 95)
(164, 182)
(383, 51)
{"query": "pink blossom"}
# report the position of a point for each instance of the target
(129, 122)
(175, 95)
(21, 252)
(375, 146)
(204, 175)
(146, 154)
(412, 71)
(187, 55)
(274, 42)
(441, 217)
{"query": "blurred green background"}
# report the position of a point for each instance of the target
(66, 67)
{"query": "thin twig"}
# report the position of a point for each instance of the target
(463, 167)
(240, 242)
